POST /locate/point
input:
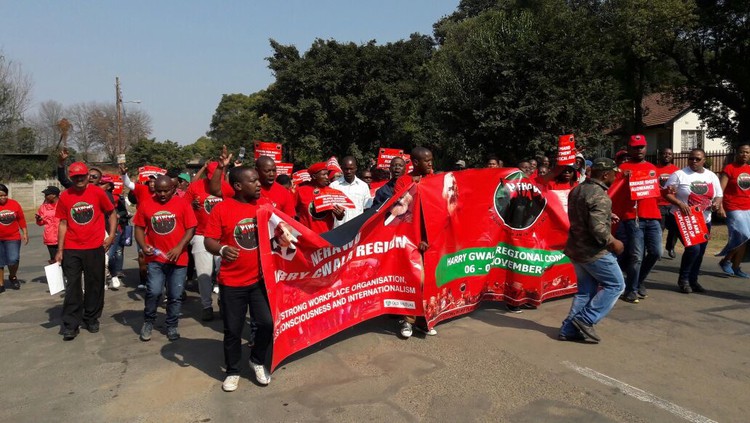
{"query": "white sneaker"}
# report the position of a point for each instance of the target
(261, 374)
(115, 282)
(230, 383)
(406, 329)
(431, 332)
(216, 289)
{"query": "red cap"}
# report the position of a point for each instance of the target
(77, 169)
(637, 141)
(107, 179)
(317, 167)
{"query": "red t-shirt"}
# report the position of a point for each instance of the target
(624, 207)
(280, 197)
(235, 224)
(554, 184)
(198, 190)
(142, 194)
(165, 225)
(319, 223)
(11, 221)
(737, 192)
(84, 212)
(664, 172)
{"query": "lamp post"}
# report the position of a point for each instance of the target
(119, 102)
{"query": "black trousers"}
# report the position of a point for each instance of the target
(79, 306)
(52, 249)
(235, 302)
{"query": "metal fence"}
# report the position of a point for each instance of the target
(715, 160)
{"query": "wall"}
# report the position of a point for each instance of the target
(690, 121)
(29, 194)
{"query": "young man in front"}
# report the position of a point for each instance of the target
(163, 229)
(232, 233)
(82, 210)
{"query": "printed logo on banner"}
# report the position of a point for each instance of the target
(7, 217)
(743, 181)
(518, 202)
(246, 234)
(210, 202)
(283, 237)
(82, 212)
(163, 222)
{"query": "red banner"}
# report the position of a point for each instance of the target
(385, 155)
(644, 185)
(118, 184)
(317, 289)
(693, 228)
(409, 164)
(333, 164)
(270, 149)
(493, 235)
(145, 172)
(284, 169)
(566, 150)
(329, 197)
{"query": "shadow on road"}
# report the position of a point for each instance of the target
(709, 291)
(496, 314)
(202, 354)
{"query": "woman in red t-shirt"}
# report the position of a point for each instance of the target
(12, 231)
(735, 182)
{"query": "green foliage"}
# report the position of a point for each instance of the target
(203, 148)
(509, 82)
(239, 120)
(165, 154)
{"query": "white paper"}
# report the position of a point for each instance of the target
(54, 278)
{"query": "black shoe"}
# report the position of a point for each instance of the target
(587, 330)
(696, 287)
(92, 327)
(671, 253)
(514, 309)
(208, 314)
(572, 338)
(15, 284)
(642, 292)
(2, 289)
(69, 334)
(685, 288)
(630, 297)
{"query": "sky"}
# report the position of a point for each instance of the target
(178, 57)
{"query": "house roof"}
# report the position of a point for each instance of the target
(659, 109)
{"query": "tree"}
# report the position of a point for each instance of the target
(239, 120)
(15, 97)
(102, 124)
(45, 122)
(165, 154)
(82, 135)
(510, 79)
(713, 57)
(203, 148)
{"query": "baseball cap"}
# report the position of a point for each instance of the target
(317, 167)
(184, 176)
(77, 169)
(106, 179)
(637, 141)
(604, 163)
(51, 190)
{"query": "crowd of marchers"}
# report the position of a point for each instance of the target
(185, 230)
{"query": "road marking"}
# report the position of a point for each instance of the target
(639, 394)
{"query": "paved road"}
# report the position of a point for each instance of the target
(671, 358)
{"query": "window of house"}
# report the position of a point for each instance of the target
(692, 139)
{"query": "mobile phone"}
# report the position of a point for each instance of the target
(241, 156)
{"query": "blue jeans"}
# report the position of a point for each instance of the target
(692, 259)
(592, 304)
(116, 255)
(10, 252)
(642, 250)
(174, 276)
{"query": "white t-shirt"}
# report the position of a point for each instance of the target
(359, 192)
(695, 188)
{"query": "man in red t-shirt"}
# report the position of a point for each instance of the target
(163, 229)
(271, 190)
(640, 224)
(204, 198)
(82, 210)
(232, 233)
(664, 170)
(305, 196)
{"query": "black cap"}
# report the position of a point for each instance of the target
(51, 190)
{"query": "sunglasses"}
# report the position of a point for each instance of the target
(695, 159)
(93, 176)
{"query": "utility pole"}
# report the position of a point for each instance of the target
(118, 102)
